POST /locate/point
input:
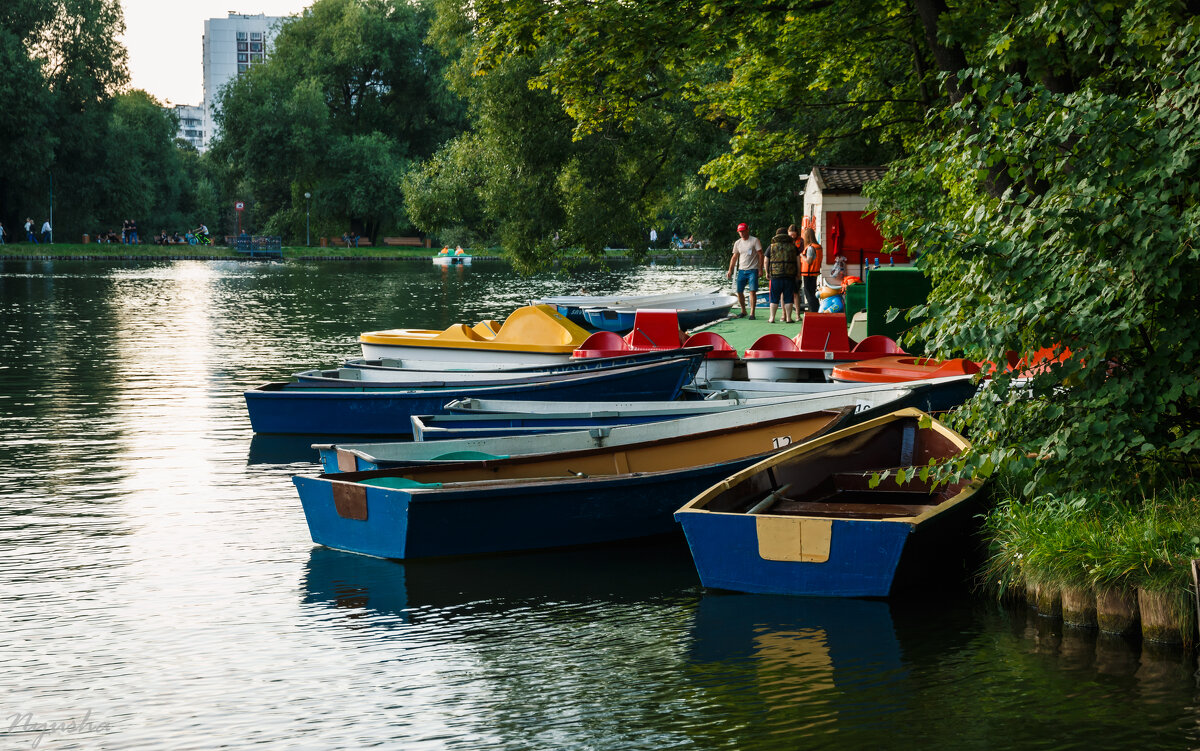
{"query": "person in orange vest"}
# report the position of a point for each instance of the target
(810, 268)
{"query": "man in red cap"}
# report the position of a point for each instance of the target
(748, 259)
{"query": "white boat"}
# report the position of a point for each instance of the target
(465, 424)
(364, 456)
(458, 258)
(758, 389)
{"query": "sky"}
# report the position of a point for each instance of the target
(163, 39)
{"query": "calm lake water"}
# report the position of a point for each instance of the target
(158, 588)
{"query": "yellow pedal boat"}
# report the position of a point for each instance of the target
(531, 335)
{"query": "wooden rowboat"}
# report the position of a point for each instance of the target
(367, 456)
(522, 503)
(807, 521)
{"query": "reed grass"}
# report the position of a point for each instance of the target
(1098, 543)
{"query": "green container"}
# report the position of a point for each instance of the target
(894, 287)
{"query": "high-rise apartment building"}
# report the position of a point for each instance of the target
(231, 46)
(191, 124)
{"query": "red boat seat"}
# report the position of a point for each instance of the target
(823, 332)
(771, 346)
(655, 329)
(721, 349)
(603, 344)
(877, 345)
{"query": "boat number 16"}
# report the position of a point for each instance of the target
(781, 441)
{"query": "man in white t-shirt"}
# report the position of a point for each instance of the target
(748, 259)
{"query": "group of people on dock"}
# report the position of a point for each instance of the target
(792, 266)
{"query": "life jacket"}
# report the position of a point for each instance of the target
(781, 258)
(813, 267)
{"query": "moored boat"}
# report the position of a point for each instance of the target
(534, 334)
(821, 345)
(295, 408)
(807, 521)
(460, 424)
(479, 444)
(902, 369)
(521, 503)
(659, 330)
(399, 378)
(691, 312)
(390, 369)
(938, 394)
(572, 306)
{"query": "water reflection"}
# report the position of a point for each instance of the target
(405, 590)
(157, 572)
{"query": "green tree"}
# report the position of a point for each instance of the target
(349, 99)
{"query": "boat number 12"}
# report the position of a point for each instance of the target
(781, 441)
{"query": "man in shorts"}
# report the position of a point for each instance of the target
(747, 258)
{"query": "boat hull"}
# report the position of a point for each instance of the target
(839, 544)
(407, 524)
(292, 408)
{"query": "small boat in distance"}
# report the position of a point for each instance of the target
(812, 521)
(458, 258)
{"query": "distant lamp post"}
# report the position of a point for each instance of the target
(307, 236)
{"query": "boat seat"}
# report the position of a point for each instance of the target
(887, 505)
(721, 349)
(657, 329)
(823, 332)
(461, 331)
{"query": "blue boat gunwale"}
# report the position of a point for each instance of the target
(580, 364)
(966, 492)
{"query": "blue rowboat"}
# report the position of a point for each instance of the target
(572, 306)
(692, 311)
(400, 378)
(367, 456)
(930, 396)
(807, 521)
(522, 503)
(294, 408)
(386, 369)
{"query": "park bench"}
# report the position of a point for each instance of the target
(363, 242)
(415, 242)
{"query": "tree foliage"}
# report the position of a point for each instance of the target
(350, 99)
(1061, 211)
(69, 130)
(1043, 165)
